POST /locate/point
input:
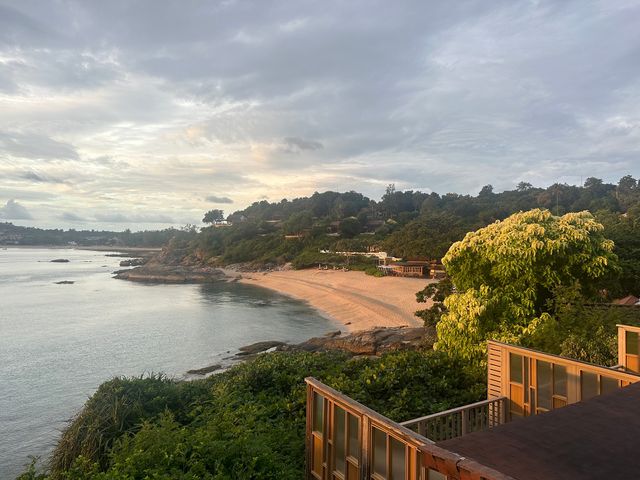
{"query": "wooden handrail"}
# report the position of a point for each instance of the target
(460, 421)
(451, 411)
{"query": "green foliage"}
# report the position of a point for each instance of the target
(213, 216)
(578, 329)
(119, 407)
(249, 422)
(350, 227)
(624, 230)
(437, 294)
(506, 273)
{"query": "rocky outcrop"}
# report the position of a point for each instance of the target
(156, 272)
(171, 265)
(373, 342)
(205, 370)
(259, 347)
(134, 262)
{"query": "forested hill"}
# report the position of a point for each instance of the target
(11, 234)
(408, 224)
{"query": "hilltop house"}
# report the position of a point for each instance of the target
(546, 418)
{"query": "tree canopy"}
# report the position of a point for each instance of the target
(213, 216)
(505, 274)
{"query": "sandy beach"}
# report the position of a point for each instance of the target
(352, 299)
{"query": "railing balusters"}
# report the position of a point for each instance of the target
(460, 421)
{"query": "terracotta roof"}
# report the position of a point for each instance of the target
(628, 300)
(588, 440)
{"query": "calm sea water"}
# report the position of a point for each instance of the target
(59, 342)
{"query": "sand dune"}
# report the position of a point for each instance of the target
(353, 299)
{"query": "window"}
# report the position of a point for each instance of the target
(632, 343)
(560, 380)
(354, 436)
(379, 453)
(318, 413)
(608, 385)
(545, 384)
(515, 368)
(339, 439)
(398, 459)
(588, 385)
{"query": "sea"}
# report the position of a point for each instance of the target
(60, 341)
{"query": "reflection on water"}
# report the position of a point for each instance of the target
(58, 342)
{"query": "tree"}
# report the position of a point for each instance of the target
(524, 186)
(505, 274)
(350, 227)
(213, 216)
(486, 191)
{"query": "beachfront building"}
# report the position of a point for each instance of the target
(412, 268)
(546, 418)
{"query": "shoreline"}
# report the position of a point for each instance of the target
(353, 300)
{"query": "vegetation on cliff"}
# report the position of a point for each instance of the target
(247, 422)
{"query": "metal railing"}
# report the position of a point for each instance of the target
(460, 421)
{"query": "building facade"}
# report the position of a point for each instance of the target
(348, 441)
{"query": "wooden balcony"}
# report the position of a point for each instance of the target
(460, 421)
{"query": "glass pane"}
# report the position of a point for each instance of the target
(397, 459)
(379, 453)
(632, 343)
(544, 384)
(318, 414)
(517, 400)
(608, 385)
(560, 380)
(433, 475)
(354, 439)
(317, 455)
(515, 367)
(339, 434)
(589, 385)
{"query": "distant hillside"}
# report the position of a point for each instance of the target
(406, 224)
(16, 235)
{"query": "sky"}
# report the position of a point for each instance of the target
(145, 114)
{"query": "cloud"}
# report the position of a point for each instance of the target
(217, 199)
(133, 218)
(35, 146)
(39, 178)
(14, 211)
(72, 217)
(295, 144)
(148, 106)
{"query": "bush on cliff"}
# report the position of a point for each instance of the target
(247, 422)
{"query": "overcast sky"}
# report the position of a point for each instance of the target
(148, 113)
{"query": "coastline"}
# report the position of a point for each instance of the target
(351, 299)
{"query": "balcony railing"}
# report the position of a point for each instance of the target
(460, 421)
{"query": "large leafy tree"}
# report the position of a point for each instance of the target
(506, 273)
(213, 216)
